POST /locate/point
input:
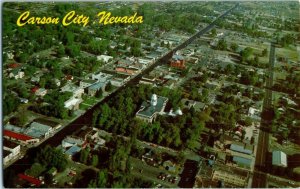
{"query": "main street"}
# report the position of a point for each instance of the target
(85, 119)
(259, 178)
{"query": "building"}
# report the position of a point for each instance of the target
(16, 73)
(242, 162)
(231, 178)
(93, 89)
(198, 106)
(177, 61)
(73, 150)
(241, 147)
(7, 156)
(86, 83)
(73, 103)
(38, 130)
(75, 90)
(149, 110)
(11, 146)
(34, 181)
(101, 77)
(104, 58)
(70, 141)
(22, 138)
(55, 125)
(41, 92)
(279, 159)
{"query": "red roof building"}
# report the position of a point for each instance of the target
(17, 136)
(34, 89)
(30, 179)
(13, 65)
(177, 61)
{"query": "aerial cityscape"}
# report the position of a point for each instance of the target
(151, 94)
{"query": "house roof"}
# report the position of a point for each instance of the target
(73, 150)
(96, 86)
(17, 136)
(37, 130)
(279, 158)
(46, 122)
(30, 179)
(242, 160)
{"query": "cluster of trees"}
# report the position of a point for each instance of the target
(117, 116)
(10, 104)
(52, 157)
(222, 45)
(54, 105)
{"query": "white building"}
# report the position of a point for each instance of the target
(13, 147)
(77, 91)
(73, 103)
(104, 58)
(279, 159)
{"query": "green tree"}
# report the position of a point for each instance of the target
(84, 154)
(95, 160)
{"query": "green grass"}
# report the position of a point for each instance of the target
(83, 106)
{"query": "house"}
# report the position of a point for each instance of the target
(16, 73)
(149, 110)
(73, 150)
(279, 159)
(148, 80)
(71, 141)
(13, 128)
(41, 92)
(73, 103)
(86, 83)
(198, 106)
(104, 58)
(177, 61)
(11, 146)
(241, 147)
(93, 89)
(22, 138)
(127, 71)
(38, 130)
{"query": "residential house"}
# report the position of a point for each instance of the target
(41, 92)
(70, 141)
(149, 110)
(198, 106)
(16, 73)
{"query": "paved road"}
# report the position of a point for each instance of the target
(259, 178)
